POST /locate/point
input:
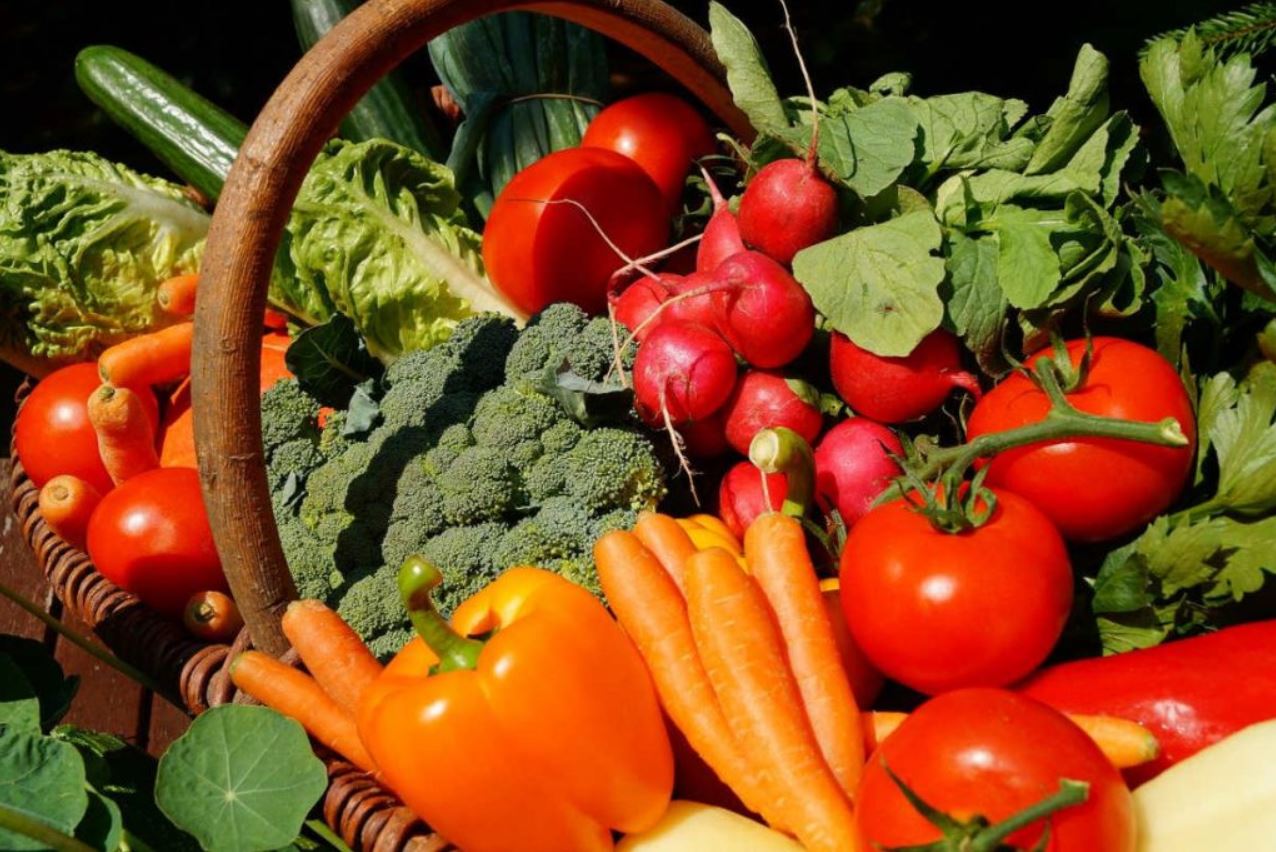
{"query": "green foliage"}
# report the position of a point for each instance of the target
(1186, 568)
(470, 464)
(1021, 209)
(241, 779)
(1250, 29)
(43, 779)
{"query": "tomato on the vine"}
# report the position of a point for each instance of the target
(1094, 488)
(993, 753)
(52, 433)
(937, 611)
(151, 536)
(661, 133)
(540, 247)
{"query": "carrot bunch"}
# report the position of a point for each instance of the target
(324, 701)
(746, 666)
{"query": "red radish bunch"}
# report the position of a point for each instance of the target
(896, 390)
(764, 399)
(741, 496)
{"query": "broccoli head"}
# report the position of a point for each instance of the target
(470, 465)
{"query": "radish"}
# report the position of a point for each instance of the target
(762, 311)
(634, 305)
(786, 208)
(741, 498)
(705, 439)
(853, 466)
(721, 237)
(763, 399)
(683, 373)
(895, 390)
(697, 304)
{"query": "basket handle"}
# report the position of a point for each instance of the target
(282, 144)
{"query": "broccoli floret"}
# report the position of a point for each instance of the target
(287, 414)
(331, 442)
(464, 556)
(510, 415)
(561, 437)
(614, 468)
(545, 341)
(481, 485)
(559, 530)
(298, 456)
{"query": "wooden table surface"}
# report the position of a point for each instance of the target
(106, 701)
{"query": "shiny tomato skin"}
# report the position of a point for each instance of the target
(993, 753)
(939, 611)
(53, 434)
(661, 133)
(150, 536)
(1095, 489)
(538, 253)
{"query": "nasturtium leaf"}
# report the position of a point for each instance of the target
(879, 285)
(1027, 266)
(331, 360)
(241, 779)
(51, 686)
(43, 778)
(103, 825)
(19, 706)
(751, 86)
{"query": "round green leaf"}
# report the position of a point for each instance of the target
(241, 779)
(42, 778)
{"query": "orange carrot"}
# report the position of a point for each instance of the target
(158, 358)
(667, 541)
(335, 655)
(775, 548)
(1124, 742)
(176, 296)
(125, 439)
(66, 502)
(295, 694)
(743, 655)
(212, 616)
(650, 608)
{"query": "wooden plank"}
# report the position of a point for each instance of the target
(167, 723)
(19, 572)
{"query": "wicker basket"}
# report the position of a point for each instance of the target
(285, 139)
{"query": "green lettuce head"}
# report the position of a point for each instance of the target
(83, 245)
(377, 234)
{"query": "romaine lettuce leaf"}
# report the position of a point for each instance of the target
(84, 243)
(377, 234)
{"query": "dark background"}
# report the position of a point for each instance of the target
(235, 52)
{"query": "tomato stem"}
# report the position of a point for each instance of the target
(417, 578)
(781, 450)
(1070, 793)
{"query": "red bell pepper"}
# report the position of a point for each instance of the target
(1189, 693)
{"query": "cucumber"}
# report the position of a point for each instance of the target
(388, 110)
(195, 138)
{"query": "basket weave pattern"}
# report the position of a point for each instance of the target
(365, 814)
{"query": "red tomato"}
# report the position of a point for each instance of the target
(1095, 488)
(538, 253)
(992, 753)
(939, 611)
(150, 536)
(662, 133)
(53, 434)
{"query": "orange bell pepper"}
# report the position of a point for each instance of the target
(544, 733)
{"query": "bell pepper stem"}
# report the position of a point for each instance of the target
(781, 450)
(417, 578)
